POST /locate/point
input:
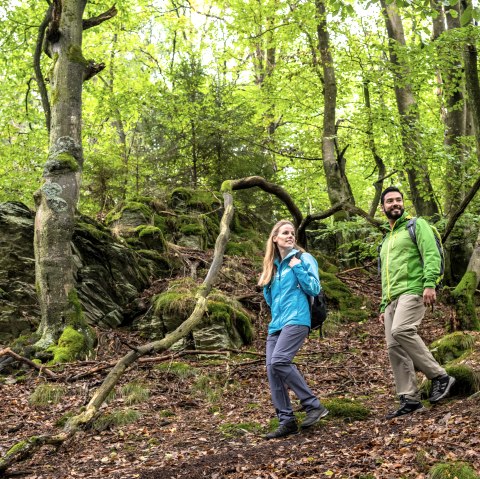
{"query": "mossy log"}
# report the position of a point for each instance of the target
(27, 448)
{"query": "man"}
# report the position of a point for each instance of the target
(409, 275)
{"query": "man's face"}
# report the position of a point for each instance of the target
(393, 205)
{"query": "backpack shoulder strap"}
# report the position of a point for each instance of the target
(411, 226)
(298, 254)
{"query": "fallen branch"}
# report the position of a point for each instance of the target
(28, 447)
(38, 367)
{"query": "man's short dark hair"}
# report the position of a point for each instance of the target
(389, 190)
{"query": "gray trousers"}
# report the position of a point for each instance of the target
(406, 348)
(282, 374)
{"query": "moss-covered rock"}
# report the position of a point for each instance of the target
(192, 199)
(151, 237)
(465, 368)
(226, 323)
(463, 300)
(348, 409)
(127, 216)
(452, 346)
(71, 345)
(339, 297)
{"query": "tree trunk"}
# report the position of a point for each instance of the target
(380, 165)
(463, 294)
(420, 186)
(337, 183)
(453, 113)
(57, 198)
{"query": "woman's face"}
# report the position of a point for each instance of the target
(285, 238)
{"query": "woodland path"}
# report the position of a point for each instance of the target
(188, 432)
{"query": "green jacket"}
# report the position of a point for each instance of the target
(408, 268)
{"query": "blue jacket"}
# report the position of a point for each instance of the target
(287, 292)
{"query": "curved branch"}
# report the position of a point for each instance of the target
(466, 201)
(278, 191)
(161, 345)
(39, 367)
(42, 88)
(342, 206)
(103, 17)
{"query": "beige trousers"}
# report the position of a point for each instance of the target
(406, 349)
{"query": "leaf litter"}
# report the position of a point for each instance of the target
(184, 432)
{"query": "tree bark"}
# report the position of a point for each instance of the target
(417, 170)
(465, 291)
(338, 186)
(453, 114)
(57, 199)
(380, 165)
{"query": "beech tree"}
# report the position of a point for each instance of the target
(57, 198)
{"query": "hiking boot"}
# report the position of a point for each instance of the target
(441, 387)
(283, 430)
(313, 416)
(407, 406)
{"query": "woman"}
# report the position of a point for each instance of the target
(286, 281)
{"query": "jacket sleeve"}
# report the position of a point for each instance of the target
(430, 255)
(307, 274)
(267, 294)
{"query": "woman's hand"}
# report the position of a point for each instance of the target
(293, 262)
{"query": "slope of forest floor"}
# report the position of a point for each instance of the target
(209, 421)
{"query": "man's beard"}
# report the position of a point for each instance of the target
(395, 213)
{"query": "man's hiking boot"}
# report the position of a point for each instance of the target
(313, 416)
(441, 387)
(284, 430)
(407, 406)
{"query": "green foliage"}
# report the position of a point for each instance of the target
(452, 346)
(453, 470)
(115, 419)
(47, 394)
(348, 409)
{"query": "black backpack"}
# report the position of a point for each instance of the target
(318, 307)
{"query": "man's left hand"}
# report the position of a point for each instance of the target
(429, 296)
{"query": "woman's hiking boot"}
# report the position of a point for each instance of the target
(313, 416)
(407, 406)
(290, 427)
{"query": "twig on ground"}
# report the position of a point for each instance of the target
(42, 369)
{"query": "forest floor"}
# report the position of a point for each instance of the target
(208, 421)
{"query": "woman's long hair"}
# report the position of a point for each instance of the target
(272, 252)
